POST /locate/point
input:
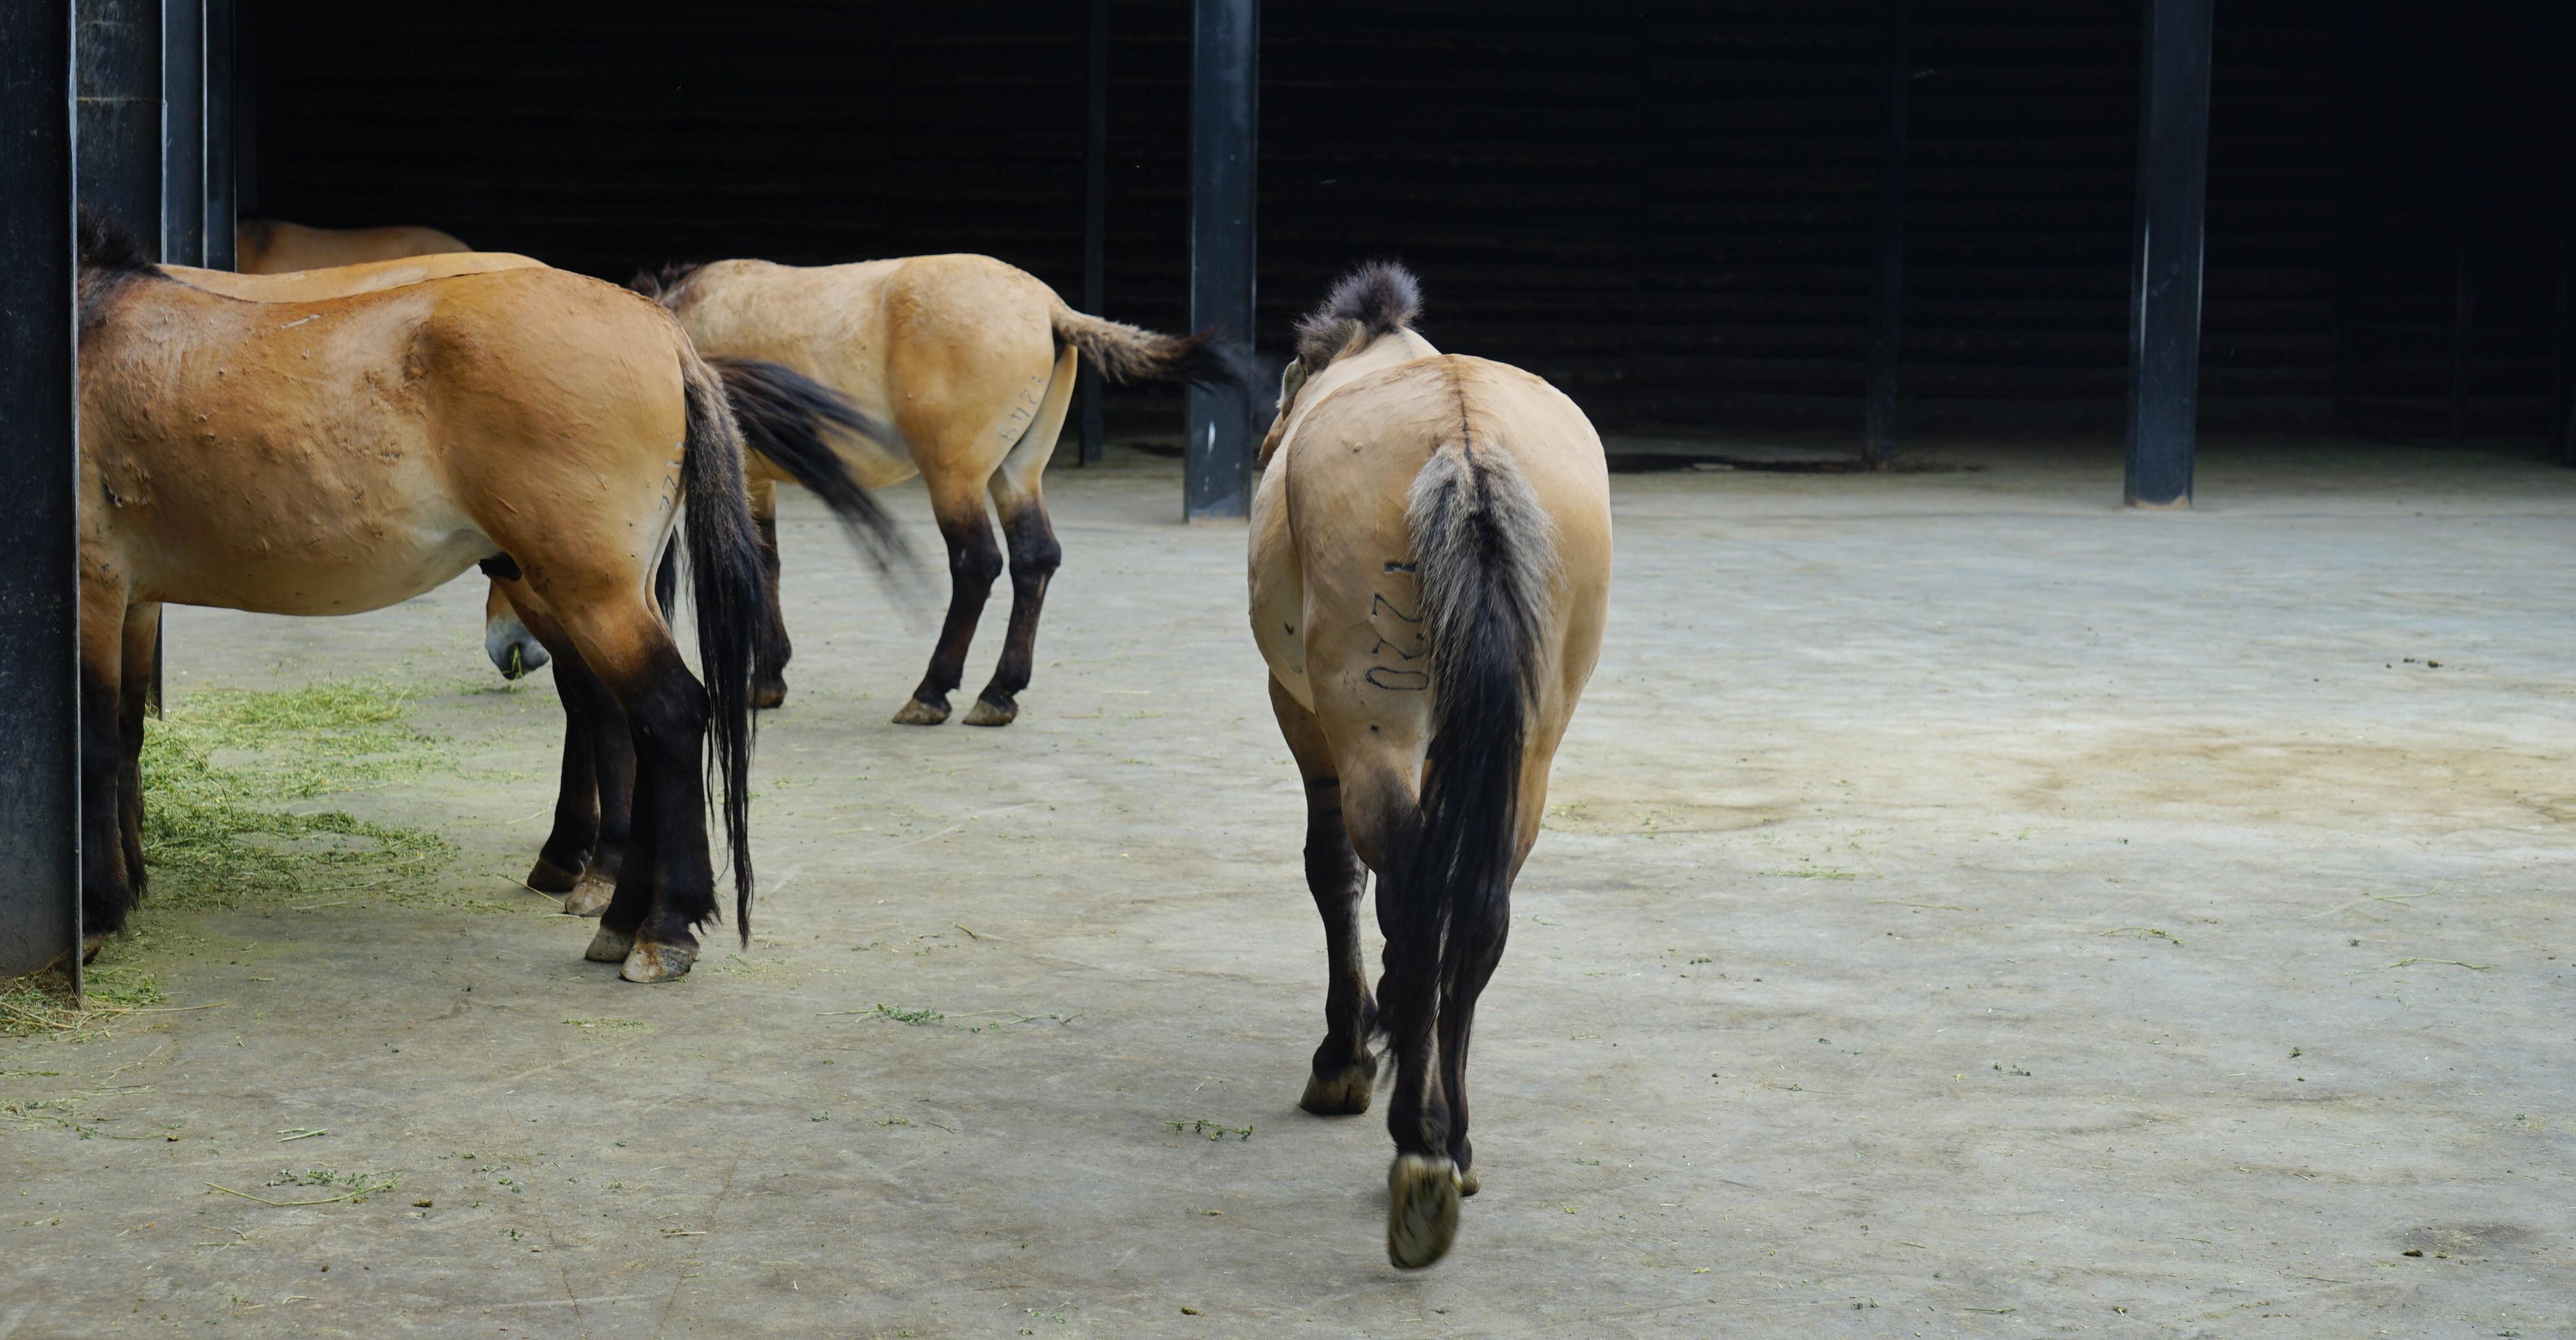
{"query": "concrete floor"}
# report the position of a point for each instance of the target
(1967, 909)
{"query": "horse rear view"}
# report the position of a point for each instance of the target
(1430, 570)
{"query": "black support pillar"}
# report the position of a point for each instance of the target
(39, 625)
(1095, 215)
(2164, 293)
(1887, 289)
(119, 67)
(219, 135)
(183, 131)
(1225, 84)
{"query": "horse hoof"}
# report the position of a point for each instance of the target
(90, 945)
(590, 897)
(767, 696)
(650, 963)
(607, 946)
(919, 713)
(1345, 1094)
(986, 712)
(1467, 1183)
(1421, 1210)
(547, 877)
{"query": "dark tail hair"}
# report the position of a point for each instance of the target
(1125, 353)
(731, 592)
(1486, 553)
(783, 415)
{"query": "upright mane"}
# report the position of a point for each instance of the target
(665, 284)
(1378, 298)
(110, 257)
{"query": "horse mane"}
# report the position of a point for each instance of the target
(664, 284)
(110, 256)
(1378, 298)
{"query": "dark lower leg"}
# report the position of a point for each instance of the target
(667, 860)
(1344, 1071)
(1034, 558)
(106, 894)
(769, 659)
(1457, 1023)
(974, 560)
(139, 694)
(1416, 1115)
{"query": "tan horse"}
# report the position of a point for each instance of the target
(274, 246)
(961, 367)
(337, 456)
(1430, 571)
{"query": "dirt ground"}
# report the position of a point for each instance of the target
(1967, 909)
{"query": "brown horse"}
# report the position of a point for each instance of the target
(341, 281)
(274, 246)
(337, 456)
(960, 368)
(1430, 569)
(781, 414)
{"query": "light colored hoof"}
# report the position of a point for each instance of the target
(607, 946)
(90, 945)
(1468, 1184)
(590, 897)
(1344, 1095)
(547, 877)
(919, 713)
(767, 696)
(984, 713)
(1421, 1210)
(651, 963)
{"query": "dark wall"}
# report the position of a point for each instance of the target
(1665, 207)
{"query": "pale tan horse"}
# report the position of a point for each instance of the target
(274, 246)
(1430, 570)
(962, 367)
(342, 455)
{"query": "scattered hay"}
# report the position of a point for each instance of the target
(217, 771)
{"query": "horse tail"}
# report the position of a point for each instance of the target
(1485, 552)
(784, 415)
(730, 590)
(1126, 353)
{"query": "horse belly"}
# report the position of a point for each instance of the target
(340, 541)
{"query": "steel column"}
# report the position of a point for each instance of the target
(2164, 295)
(1878, 424)
(1225, 86)
(183, 131)
(118, 63)
(39, 613)
(219, 135)
(1095, 217)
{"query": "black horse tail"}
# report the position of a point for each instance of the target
(1485, 551)
(731, 592)
(784, 414)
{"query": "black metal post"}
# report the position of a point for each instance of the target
(2164, 295)
(219, 135)
(1225, 86)
(183, 131)
(1887, 297)
(39, 462)
(118, 63)
(1095, 218)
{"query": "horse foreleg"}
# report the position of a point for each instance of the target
(587, 846)
(107, 891)
(770, 656)
(142, 654)
(974, 560)
(1034, 558)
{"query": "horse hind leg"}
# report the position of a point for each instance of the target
(974, 560)
(1344, 1073)
(1035, 555)
(107, 889)
(770, 656)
